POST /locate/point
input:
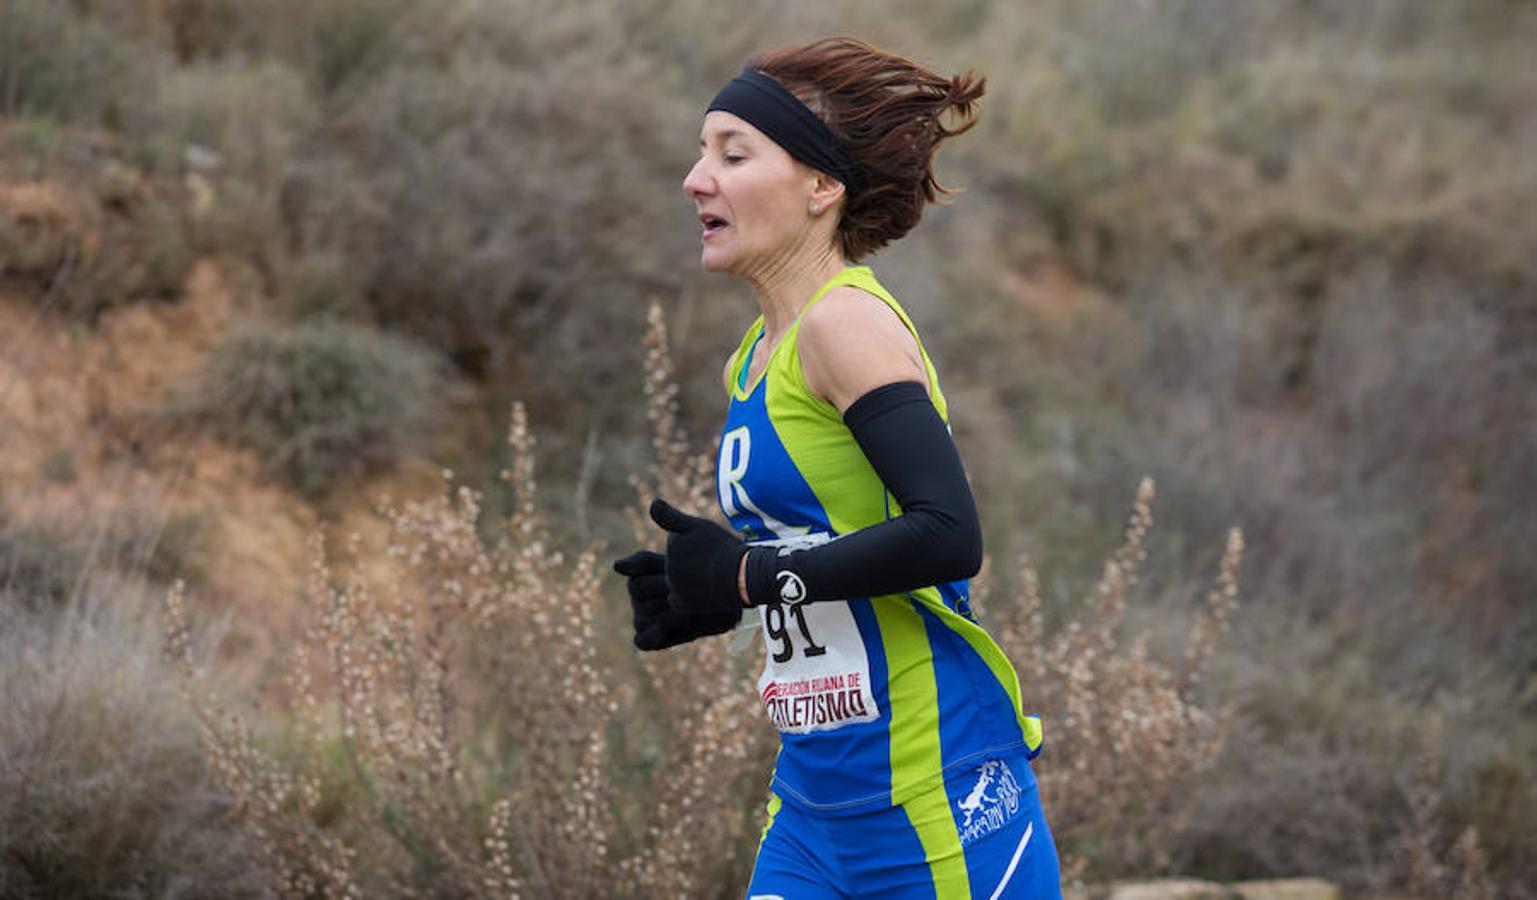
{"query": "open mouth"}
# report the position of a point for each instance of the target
(713, 224)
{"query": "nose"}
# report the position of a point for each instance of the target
(698, 181)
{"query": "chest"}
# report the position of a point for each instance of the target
(788, 466)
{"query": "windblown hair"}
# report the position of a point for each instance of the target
(887, 111)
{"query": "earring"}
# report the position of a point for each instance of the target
(816, 207)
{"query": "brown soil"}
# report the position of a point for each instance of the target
(84, 439)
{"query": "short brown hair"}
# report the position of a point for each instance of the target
(886, 111)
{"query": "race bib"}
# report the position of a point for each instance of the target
(816, 674)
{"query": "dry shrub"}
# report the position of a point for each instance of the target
(1366, 447)
(1256, 164)
(57, 62)
(426, 759)
(37, 568)
(50, 563)
(320, 402)
(686, 478)
(250, 114)
(1364, 438)
(1267, 142)
(1439, 866)
(229, 130)
(438, 751)
(1374, 801)
(1497, 796)
(320, 285)
(44, 233)
(103, 788)
(330, 43)
(1125, 733)
(81, 251)
(458, 728)
(498, 189)
(719, 746)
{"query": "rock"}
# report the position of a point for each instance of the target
(1287, 889)
(1192, 889)
(1171, 889)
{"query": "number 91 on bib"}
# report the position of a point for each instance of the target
(816, 676)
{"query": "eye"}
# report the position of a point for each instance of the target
(733, 158)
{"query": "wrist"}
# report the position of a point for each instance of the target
(760, 564)
(741, 578)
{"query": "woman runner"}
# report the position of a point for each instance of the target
(904, 766)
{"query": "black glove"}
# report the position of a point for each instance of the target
(659, 625)
(702, 561)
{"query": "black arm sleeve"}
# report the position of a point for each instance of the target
(937, 538)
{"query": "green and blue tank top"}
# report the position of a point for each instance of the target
(877, 698)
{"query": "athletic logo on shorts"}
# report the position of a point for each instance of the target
(992, 803)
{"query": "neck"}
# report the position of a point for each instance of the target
(785, 283)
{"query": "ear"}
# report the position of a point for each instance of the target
(826, 192)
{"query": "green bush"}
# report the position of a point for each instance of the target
(250, 114)
(144, 251)
(244, 222)
(95, 231)
(321, 402)
(501, 201)
(165, 257)
(34, 142)
(320, 285)
(56, 62)
(330, 43)
(1253, 140)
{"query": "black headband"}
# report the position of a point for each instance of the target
(773, 110)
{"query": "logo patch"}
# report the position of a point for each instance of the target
(791, 589)
(992, 803)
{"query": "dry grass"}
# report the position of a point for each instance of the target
(103, 788)
(373, 686)
(1125, 733)
(1439, 865)
(719, 745)
(462, 731)
(478, 734)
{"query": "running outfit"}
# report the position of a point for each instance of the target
(904, 766)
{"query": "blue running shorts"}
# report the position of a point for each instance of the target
(984, 835)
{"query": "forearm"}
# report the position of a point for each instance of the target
(937, 538)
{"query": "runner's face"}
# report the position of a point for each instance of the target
(751, 196)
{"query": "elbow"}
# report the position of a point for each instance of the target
(969, 532)
(969, 557)
(962, 549)
(974, 561)
(961, 564)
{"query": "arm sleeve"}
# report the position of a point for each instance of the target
(937, 538)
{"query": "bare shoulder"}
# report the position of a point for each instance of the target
(725, 375)
(846, 305)
(851, 342)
